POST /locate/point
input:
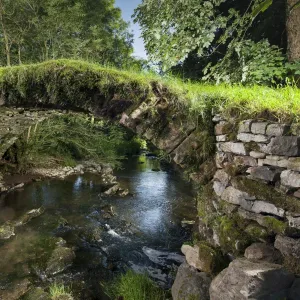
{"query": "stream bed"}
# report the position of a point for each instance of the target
(108, 235)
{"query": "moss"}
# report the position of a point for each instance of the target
(251, 146)
(234, 169)
(275, 225)
(256, 231)
(205, 197)
(213, 259)
(232, 236)
(267, 193)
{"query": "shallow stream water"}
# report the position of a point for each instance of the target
(144, 234)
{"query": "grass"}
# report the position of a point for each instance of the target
(132, 286)
(70, 83)
(57, 290)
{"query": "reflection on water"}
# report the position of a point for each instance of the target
(145, 233)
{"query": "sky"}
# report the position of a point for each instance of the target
(127, 7)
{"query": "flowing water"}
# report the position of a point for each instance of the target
(142, 231)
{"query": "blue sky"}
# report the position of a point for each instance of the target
(127, 7)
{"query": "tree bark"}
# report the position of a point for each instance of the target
(293, 31)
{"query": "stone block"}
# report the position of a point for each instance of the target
(277, 129)
(290, 179)
(236, 148)
(263, 252)
(221, 138)
(267, 208)
(245, 126)
(288, 246)
(245, 161)
(294, 221)
(256, 154)
(295, 129)
(297, 194)
(265, 173)
(283, 145)
(235, 196)
(259, 127)
(275, 161)
(249, 137)
(219, 188)
(222, 177)
(294, 163)
(223, 158)
(244, 279)
(223, 128)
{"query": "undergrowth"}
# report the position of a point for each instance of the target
(56, 290)
(67, 139)
(132, 286)
(69, 83)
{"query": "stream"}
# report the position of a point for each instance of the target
(109, 235)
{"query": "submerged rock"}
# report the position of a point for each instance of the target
(34, 213)
(60, 260)
(190, 284)
(244, 279)
(16, 290)
(37, 294)
(6, 231)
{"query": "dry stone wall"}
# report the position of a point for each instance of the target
(259, 171)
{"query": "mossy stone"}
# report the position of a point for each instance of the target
(267, 193)
(232, 236)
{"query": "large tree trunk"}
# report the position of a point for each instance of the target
(293, 30)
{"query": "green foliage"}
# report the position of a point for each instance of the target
(35, 30)
(132, 286)
(69, 138)
(249, 62)
(57, 290)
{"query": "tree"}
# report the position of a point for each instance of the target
(293, 29)
(38, 30)
(201, 33)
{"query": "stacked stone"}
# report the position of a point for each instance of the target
(258, 174)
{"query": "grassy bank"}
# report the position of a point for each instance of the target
(132, 286)
(70, 83)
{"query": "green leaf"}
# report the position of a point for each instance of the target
(261, 8)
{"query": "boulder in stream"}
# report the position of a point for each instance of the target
(244, 279)
(60, 260)
(190, 284)
(15, 290)
(6, 231)
(34, 213)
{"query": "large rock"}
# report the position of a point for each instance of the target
(277, 129)
(284, 145)
(237, 197)
(265, 173)
(236, 148)
(6, 231)
(290, 179)
(263, 252)
(248, 137)
(60, 260)
(201, 262)
(288, 246)
(190, 284)
(34, 213)
(244, 279)
(259, 127)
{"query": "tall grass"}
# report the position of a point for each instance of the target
(56, 290)
(132, 286)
